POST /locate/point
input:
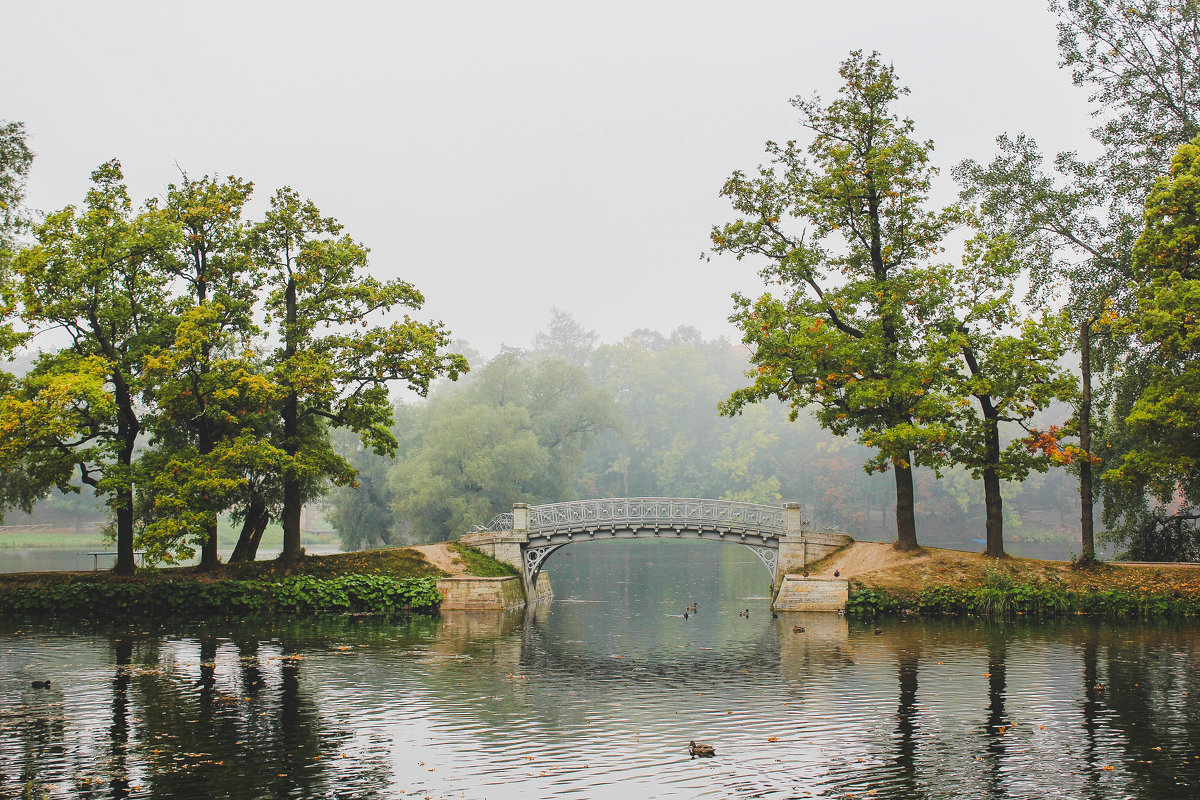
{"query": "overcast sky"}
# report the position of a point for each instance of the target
(507, 157)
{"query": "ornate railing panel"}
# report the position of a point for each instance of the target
(500, 522)
(650, 512)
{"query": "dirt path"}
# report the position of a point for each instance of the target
(441, 557)
(881, 565)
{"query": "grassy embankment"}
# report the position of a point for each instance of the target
(388, 581)
(950, 582)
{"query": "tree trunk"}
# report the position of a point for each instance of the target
(208, 548)
(1086, 495)
(253, 526)
(124, 512)
(906, 520)
(257, 534)
(127, 431)
(993, 503)
(292, 495)
(204, 426)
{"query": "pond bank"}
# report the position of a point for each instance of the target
(388, 581)
(939, 582)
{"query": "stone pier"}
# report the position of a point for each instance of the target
(801, 546)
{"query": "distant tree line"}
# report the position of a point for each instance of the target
(571, 418)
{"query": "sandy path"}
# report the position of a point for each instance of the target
(865, 558)
(441, 557)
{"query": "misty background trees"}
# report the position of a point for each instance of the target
(638, 418)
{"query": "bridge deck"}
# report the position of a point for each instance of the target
(650, 513)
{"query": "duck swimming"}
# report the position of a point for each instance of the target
(41, 684)
(745, 613)
(701, 750)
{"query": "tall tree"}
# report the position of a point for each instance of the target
(205, 383)
(1141, 61)
(565, 338)
(15, 160)
(1080, 219)
(16, 487)
(848, 332)
(96, 275)
(329, 372)
(1009, 365)
(1164, 419)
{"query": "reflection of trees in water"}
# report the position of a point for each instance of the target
(1090, 712)
(908, 660)
(36, 729)
(247, 731)
(119, 730)
(1150, 679)
(248, 722)
(997, 720)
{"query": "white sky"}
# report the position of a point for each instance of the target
(510, 156)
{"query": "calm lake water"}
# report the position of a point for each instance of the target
(597, 694)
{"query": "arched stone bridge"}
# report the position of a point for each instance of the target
(778, 535)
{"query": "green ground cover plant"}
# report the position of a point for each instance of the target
(1018, 599)
(481, 564)
(173, 597)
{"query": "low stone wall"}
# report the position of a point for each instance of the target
(468, 593)
(811, 594)
(797, 552)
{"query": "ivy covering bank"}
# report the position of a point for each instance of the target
(1019, 600)
(381, 594)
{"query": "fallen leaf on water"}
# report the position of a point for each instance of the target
(772, 738)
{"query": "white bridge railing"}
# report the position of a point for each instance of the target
(649, 512)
